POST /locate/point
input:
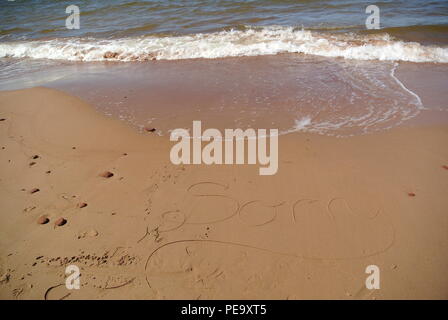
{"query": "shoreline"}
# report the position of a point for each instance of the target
(215, 232)
(287, 92)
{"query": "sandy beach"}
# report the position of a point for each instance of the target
(223, 151)
(154, 230)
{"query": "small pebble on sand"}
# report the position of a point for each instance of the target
(60, 222)
(148, 129)
(34, 190)
(43, 220)
(82, 205)
(106, 174)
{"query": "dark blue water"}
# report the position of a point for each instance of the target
(22, 19)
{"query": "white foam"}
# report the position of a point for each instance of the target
(302, 124)
(419, 101)
(250, 42)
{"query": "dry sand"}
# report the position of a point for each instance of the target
(154, 230)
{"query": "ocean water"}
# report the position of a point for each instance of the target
(22, 19)
(337, 77)
(118, 30)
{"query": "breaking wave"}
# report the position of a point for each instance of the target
(233, 43)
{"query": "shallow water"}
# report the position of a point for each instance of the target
(285, 92)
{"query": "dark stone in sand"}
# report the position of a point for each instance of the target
(43, 220)
(35, 157)
(49, 171)
(82, 205)
(32, 163)
(34, 190)
(60, 222)
(411, 194)
(150, 129)
(110, 55)
(445, 167)
(106, 174)
(2, 119)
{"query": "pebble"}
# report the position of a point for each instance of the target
(82, 205)
(34, 190)
(43, 220)
(60, 222)
(106, 174)
(150, 129)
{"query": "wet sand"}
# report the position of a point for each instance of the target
(288, 92)
(154, 230)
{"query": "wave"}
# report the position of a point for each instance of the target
(232, 43)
